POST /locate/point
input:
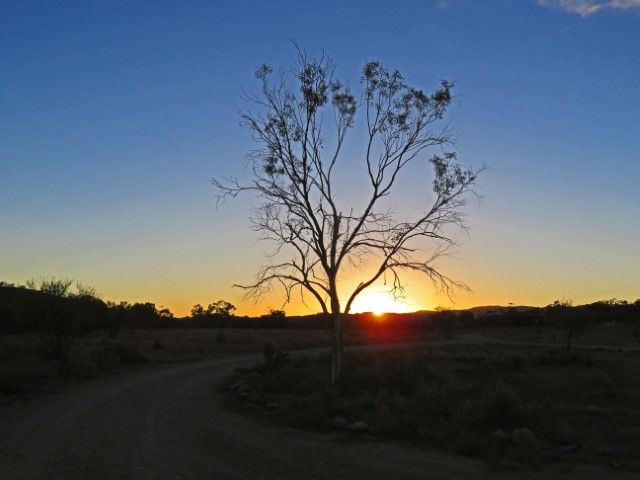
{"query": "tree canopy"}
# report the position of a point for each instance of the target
(300, 127)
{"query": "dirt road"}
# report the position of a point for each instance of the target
(164, 423)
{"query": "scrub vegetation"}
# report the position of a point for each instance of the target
(512, 385)
(509, 406)
(522, 394)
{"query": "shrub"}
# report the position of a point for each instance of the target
(130, 354)
(384, 420)
(11, 388)
(104, 358)
(413, 395)
(440, 399)
(518, 362)
(274, 358)
(310, 411)
(394, 417)
(497, 408)
(80, 366)
(470, 443)
(299, 376)
(562, 357)
(13, 346)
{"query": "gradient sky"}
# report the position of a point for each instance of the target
(115, 115)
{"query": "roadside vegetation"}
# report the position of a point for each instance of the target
(54, 331)
(509, 406)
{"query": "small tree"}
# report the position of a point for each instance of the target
(197, 311)
(117, 317)
(217, 314)
(444, 321)
(86, 291)
(61, 315)
(221, 308)
(274, 319)
(147, 315)
(295, 168)
(568, 319)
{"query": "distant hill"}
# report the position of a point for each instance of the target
(483, 310)
(477, 311)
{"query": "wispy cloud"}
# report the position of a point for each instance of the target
(444, 4)
(585, 8)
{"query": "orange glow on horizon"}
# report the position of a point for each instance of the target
(380, 303)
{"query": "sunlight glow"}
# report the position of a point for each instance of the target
(381, 302)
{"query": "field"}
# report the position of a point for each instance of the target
(25, 368)
(511, 396)
(529, 404)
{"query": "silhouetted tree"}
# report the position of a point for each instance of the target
(59, 287)
(7, 321)
(466, 317)
(117, 318)
(296, 165)
(143, 315)
(61, 315)
(568, 318)
(635, 319)
(221, 308)
(444, 321)
(274, 319)
(217, 314)
(197, 311)
(86, 291)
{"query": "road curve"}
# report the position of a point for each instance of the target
(164, 423)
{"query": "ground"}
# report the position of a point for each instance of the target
(163, 421)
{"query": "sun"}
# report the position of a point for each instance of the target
(380, 303)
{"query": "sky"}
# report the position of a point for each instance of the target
(114, 116)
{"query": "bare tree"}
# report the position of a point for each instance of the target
(59, 287)
(294, 172)
(60, 315)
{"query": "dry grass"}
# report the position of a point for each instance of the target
(583, 406)
(25, 368)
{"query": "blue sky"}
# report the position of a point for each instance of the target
(115, 115)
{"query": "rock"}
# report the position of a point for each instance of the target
(244, 388)
(249, 397)
(523, 438)
(502, 435)
(570, 447)
(360, 426)
(622, 453)
(426, 434)
(240, 387)
(341, 423)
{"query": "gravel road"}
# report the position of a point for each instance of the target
(165, 423)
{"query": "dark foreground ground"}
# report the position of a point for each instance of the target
(164, 422)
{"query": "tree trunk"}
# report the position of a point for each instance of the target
(569, 337)
(336, 349)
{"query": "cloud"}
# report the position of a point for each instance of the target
(584, 8)
(444, 4)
